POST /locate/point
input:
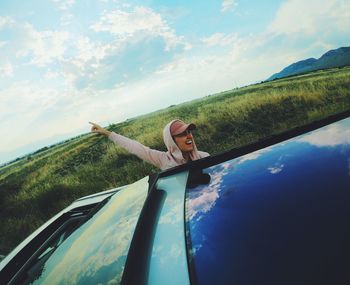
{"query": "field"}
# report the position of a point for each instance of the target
(34, 188)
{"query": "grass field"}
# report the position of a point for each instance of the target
(36, 187)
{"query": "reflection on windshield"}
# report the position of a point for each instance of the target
(96, 252)
(333, 135)
(200, 202)
(168, 258)
(270, 214)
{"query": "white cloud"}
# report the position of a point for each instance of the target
(51, 74)
(28, 46)
(330, 136)
(6, 21)
(6, 70)
(141, 22)
(66, 19)
(201, 202)
(220, 39)
(27, 98)
(51, 112)
(235, 66)
(3, 43)
(88, 50)
(228, 5)
(124, 24)
(134, 50)
(173, 216)
(43, 47)
(64, 4)
(43, 112)
(276, 169)
(136, 31)
(254, 155)
(299, 18)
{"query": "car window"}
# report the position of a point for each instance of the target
(275, 216)
(95, 252)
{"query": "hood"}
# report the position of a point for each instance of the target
(174, 150)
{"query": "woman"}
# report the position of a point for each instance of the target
(177, 138)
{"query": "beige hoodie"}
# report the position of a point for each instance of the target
(164, 160)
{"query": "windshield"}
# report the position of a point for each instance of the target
(96, 251)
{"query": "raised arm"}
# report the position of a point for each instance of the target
(152, 156)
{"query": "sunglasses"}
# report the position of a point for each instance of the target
(183, 134)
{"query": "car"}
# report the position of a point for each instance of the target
(272, 212)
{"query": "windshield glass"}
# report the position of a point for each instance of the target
(279, 215)
(95, 252)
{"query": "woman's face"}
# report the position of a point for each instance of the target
(184, 141)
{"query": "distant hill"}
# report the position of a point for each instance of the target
(333, 58)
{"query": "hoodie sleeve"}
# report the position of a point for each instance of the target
(145, 153)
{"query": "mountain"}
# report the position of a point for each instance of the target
(333, 58)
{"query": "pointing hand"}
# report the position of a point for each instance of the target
(99, 130)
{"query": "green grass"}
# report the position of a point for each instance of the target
(34, 188)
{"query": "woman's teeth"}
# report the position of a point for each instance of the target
(189, 142)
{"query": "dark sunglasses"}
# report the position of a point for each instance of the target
(183, 134)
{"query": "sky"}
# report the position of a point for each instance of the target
(65, 63)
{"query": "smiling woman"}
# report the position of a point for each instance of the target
(177, 137)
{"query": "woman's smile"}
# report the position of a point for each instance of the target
(185, 142)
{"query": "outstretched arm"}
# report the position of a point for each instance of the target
(145, 153)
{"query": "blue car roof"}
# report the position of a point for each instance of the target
(278, 215)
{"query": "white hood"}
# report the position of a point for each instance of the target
(175, 152)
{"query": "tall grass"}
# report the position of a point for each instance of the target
(36, 187)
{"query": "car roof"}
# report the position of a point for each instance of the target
(280, 211)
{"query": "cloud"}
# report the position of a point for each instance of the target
(42, 47)
(228, 5)
(140, 22)
(5, 21)
(6, 70)
(36, 111)
(82, 68)
(28, 48)
(66, 19)
(109, 66)
(220, 39)
(332, 135)
(254, 155)
(276, 169)
(141, 41)
(201, 201)
(174, 215)
(63, 4)
(315, 17)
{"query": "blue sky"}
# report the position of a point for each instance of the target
(64, 63)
